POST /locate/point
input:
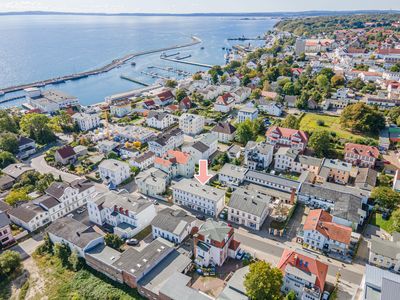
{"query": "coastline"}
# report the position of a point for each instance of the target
(106, 68)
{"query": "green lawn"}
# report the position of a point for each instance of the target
(331, 123)
(377, 220)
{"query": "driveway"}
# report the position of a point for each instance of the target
(27, 247)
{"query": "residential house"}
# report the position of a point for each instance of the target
(284, 158)
(176, 163)
(361, 155)
(322, 233)
(126, 213)
(385, 253)
(164, 98)
(234, 152)
(258, 155)
(203, 147)
(121, 109)
(249, 208)
(76, 235)
(366, 179)
(128, 152)
(378, 283)
(225, 132)
(213, 243)
(170, 140)
(383, 103)
(159, 120)
(114, 172)
(231, 175)
(16, 171)
(172, 225)
(185, 104)
(65, 155)
(107, 146)
(203, 198)
(143, 161)
(26, 147)
(224, 103)
(152, 182)
(272, 108)
(241, 94)
(235, 289)
(6, 182)
(287, 137)
(290, 101)
(247, 113)
(86, 121)
(334, 170)
(303, 274)
(29, 216)
(6, 236)
(191, 124)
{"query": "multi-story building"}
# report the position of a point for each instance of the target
(322, 233)
(379, 284)
(203, 147)
(49, 100)
(159, 120)
(270, 107)
(6, 236)
(127, 214)
(258, 155)
(121, 108)
(361, 155)
(26, 147)
(303, 274)
(334, 170)
(152, 182)
(176, 163)
(225, 132)
(170, 140)
(249, 208)
(231, 175)
(164, 98)
(203, 198)
(191, 124)
(172, 225)
(214, 243)
(224, 103)
(143, 161)
(113, 171)
(247, 113)
(284, 158)
(385, 253)
(29, 216)
(287, 137)
(272, 181)
(86, 121)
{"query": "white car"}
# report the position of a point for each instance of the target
(325, 295)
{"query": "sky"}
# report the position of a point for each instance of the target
(193, 6)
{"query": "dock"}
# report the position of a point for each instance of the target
(108, 67)
(154, 75)
(133, 80)
(172, 70)
(188, 62)
(5, 100)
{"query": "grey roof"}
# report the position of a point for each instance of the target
(249, 201)
(73, 231)
(104, 254)
(309, 160)
(22, 141)
(235, 290)
(366, 178)
(214, 230)
(337, 164)
(289, 152)
(16, 170)
(174, 221)
(381, 284)
(137, 262)
(160, 274)
(112, 164)
(233, 171)
(224, 127)
(234, 149)
(145, 156)
(193, 187)
(152, 176)
(176, 288)
(200, 146)
(4, 206)
(248, 109)
(385, 248)
(56, 189)
(262, 148)
(164, 137)
(26, 212)
(4, 220)
(157, 115)
(47, 201)
(6, 180)
(272, 179)
(127, 201)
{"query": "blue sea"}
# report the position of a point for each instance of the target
(35, 48)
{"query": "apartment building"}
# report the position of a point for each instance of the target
(159, 120)
(152, 182)
(176, 163)
(191, 124)
(385, 253)
(86, 121)
(258, 155)
(114, 172)
(231, 175)
(170, 140)
(361, 155)
(225, 132)
(247, 113)
(334, 170)
(287, 137)
(121, 108)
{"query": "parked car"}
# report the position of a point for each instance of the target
(201, 217)
(325, 295)
(79, 211)
(240, 254)
(132, 242)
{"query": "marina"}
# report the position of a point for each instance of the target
(187, 62)
(172, 70)
(131, 79)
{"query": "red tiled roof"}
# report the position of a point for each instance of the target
(186, 102)
(292, 258)
(364, 150)
(66, 151)
(149, 102)
(234, 245)
(388, 51)
(173, 157)
(287, 133)
(165, 96)
(321, 221)
(223, 100)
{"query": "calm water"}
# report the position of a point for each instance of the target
(39, 47)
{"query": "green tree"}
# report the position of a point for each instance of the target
(255, 94)
(247, 131)
(63, 252)
(16, 196)
(6, 158)
(385, 197)
(263, 281)
(395, 220)
(170, 83)
(320, 143)
(197, 76)
(288, 88)
(113, 241)
(363, 118)
(37, 127)
(394, 114)
(323, 82)
(7, 123)
(180, 95)
(291, 122)
(337, 80)
(75, 261)
(10, 263)
(9, 142)
(327, 72)
(291, 296)
(246, 80)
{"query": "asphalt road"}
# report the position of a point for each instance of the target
(277, 250)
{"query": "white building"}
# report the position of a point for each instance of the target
(231, 175)
(152, 182)
(107, 146)
(191, 124)
(176, 163)
(270, 107)
(127, 214)
(258, 155)
(170, 140)
(113, 171)
(203, 198)
(143, 161)
(385, 253)
(159, 120)
(224, 103)
(172, 225)
(121, 109)
(86, 121)
(202, 148)
(247, 113)
(225, 132)
(50, 100)
(26, 147)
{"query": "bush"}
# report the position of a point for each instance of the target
(320, 123)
